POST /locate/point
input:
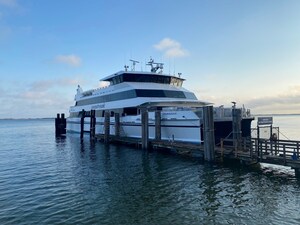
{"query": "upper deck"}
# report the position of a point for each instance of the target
(144, 77)
(155, 83)
(141, 77)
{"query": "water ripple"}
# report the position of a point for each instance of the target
(44, 180)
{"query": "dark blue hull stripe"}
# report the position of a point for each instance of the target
(137, 125)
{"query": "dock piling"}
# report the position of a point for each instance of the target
(92, 124)
(117, 124)
(209, 136)
(82, 123)
(236, 125)
(145, 129)
(297, 172)
(158, 125)
(60, 125)
(106, 126)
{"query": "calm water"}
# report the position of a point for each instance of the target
(44, 180)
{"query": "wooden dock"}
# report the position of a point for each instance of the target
(248, 151)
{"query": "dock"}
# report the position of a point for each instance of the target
(245, 150)
(250, 151)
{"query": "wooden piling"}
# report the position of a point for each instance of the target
(63, 124)
(209, 136)
(60, 125)
(82, 123)
(158, 125)
(284, 154)
(297, 172)
(106, 126)
(260, 150)
(236, 126)
(145, 129)
(117, 124)
(57, 125)
(92, 124)
(222, 149)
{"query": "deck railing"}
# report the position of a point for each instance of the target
(284, 148)
(264, 149)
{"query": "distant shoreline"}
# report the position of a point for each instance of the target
(255, 115)
(50, 118)
(277, 114)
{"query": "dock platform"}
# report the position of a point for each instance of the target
(248, 151)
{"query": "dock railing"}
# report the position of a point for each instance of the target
(278, 152)
(288, 149)
(244, 147)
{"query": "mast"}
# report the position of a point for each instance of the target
(133, 64)
(155, 66)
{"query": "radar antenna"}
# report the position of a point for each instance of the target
(133, 64)
(155, 66)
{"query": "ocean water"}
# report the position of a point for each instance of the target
(48, 180)
(289, 126)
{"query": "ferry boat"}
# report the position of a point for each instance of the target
(128, 91)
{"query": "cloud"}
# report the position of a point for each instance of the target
(71, 60)
(43, 98)
(287, 102)
(171, 48)
(45, 85)
(36, 104)
(282, 103)
(9, 3)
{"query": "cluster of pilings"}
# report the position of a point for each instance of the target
(208, 127)
(208, 121)
(60, 125)
(144, 126)
(92, 116)
(209, 138)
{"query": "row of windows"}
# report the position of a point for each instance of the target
(159, 93)
(134, 94)
(131, 111)
(161, 79)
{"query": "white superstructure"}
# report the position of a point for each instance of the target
(127, 91)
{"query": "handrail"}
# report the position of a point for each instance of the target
(283, 148)
(260, 148)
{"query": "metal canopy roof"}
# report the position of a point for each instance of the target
(192, 104)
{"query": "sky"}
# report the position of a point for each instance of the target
(227, 50)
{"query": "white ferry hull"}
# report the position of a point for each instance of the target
(187, 130)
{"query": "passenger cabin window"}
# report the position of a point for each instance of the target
(149, 78)
(131, 111)
(176, 82)
(116, 80)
